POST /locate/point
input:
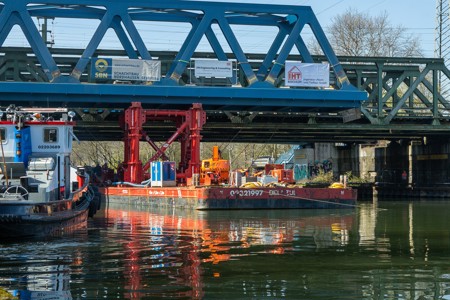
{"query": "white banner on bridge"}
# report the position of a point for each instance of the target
(307, 74)
(213, 68)
(126, 69)
(136, 69)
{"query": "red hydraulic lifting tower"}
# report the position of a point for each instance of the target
(189, 123)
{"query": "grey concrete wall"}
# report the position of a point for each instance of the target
(430, 162)
(367, 168)
(344, 158)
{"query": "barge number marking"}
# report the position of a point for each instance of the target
(246, 193)
(156, 193)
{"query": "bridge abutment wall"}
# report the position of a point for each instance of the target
(406, 163)
(430, 162)
(344, 158)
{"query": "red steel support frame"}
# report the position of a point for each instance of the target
(133, 122)
(153, 145)
(189, 124)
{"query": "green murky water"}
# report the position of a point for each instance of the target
(390, 250)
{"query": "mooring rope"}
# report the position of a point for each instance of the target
(317, 200)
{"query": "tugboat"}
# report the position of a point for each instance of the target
(38, 197)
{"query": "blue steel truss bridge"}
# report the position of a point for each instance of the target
(367, 98)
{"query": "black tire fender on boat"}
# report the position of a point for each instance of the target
(97, 197)
(92, 204)
(95, 202)
(99, 202)
(92, 208)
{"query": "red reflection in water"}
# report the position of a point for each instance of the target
(215, 238)
(140, 221)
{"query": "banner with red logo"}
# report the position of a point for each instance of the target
(307, 74)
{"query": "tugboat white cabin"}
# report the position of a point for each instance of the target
(37, 197)
(36, 155)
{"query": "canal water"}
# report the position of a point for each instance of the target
(388, 250)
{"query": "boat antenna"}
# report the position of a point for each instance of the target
(3, 153)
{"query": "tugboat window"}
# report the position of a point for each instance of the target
(50, 135)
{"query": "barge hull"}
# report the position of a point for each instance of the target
(210, 198)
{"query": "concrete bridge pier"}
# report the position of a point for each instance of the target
(406, 168)
(392, 163)
(430, 162)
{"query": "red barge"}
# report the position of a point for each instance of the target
(196, 184)
(203, 198)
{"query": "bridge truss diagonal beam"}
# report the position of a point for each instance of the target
(402, 88)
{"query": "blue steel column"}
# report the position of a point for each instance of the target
(93, 45)
(217, 48)
(135, 37)
(271, 54)
(7, 22)
(213, 41)
(16, 13)
(123, 38)
(303, 50)
(341, 77)
(215, 44)
(189, 48)
(180, 53)
(284, 53)
(112, 19)
(237, 50)
(299, 43)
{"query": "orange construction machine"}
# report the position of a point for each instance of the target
(214, 170)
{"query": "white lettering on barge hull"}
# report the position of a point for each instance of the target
(282, 192)
(156, 193)
(246, 193)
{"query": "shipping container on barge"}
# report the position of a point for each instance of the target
(202, 184)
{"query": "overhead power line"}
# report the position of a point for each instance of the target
(442, 42)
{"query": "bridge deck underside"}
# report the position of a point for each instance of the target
(287, 129)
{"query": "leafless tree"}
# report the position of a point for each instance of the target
(355, 33)
(112, 153)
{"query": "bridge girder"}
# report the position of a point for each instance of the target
(259, 86)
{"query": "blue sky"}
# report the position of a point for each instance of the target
(416, 16)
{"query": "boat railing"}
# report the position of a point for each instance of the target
(82, 191)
